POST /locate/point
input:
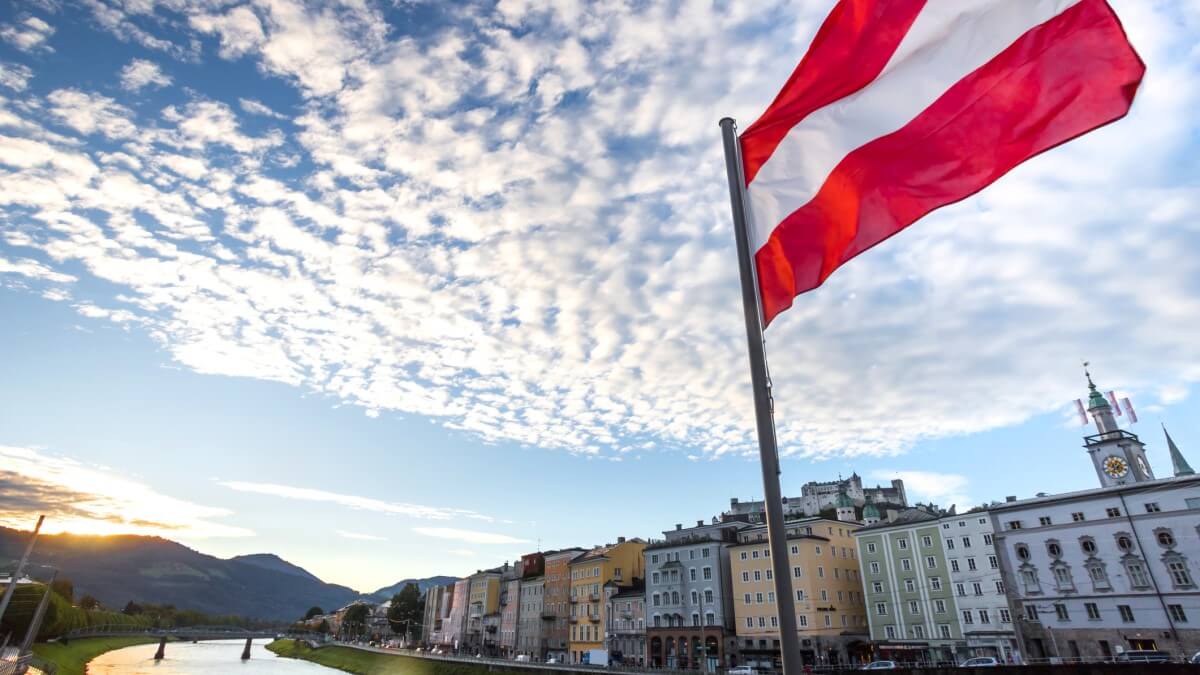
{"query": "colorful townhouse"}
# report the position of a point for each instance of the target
(620, 563)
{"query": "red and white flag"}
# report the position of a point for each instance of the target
(1082, 415)
(1112, 400)
(903, 106)
(1129, 409)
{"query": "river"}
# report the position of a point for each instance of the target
(185, 658)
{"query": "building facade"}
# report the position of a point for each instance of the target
(819, 497)
(454, 628)
(1093, 573)
(620, 563)
(556, 602)
(483, 602)
(532, 616)
(985, 618)
(830, 614)
(689, 614)
(510, 607)
(625, 624)
(439, 600)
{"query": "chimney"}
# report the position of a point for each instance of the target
(733, 501)
(699, 523)
(678, 526)
(1010, 498)
(620, 540)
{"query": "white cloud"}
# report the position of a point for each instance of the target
(15, 76)
(351, 501)
(84, 499)
(259, 108)
(468, 536)
(942, 489)
(141, 73)
(522, 234)
(360, 536)
(28, 34)
(34, 270)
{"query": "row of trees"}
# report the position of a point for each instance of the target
(405, 615)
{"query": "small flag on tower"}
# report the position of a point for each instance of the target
(1129, 409)
(1112, 399)
(1082, 414)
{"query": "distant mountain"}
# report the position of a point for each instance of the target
(270, 561)
(117, 569)
(387, 592)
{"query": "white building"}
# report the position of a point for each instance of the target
(978, 587)
(1096, 572)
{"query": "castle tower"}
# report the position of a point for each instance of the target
(870, 513)
(1117, 455)
(845, 508)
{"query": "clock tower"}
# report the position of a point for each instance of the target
(1118, 455)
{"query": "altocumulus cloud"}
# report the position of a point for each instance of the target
(84, 499)
(513, 221)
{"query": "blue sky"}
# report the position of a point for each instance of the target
(398, 289)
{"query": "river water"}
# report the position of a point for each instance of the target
(207, 658)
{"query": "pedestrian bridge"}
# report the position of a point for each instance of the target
(188, 633)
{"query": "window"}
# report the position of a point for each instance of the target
(771, 597)
(1044, 520)
(984, 617)
(968, 617)
(902, 543)
(800, 596)
(1126, 613)
(1165, 538)
(914, 607)
(1013, 524)
(987, 540)
(774, 621)
(953, 565)
(746, 577)
(877, 587)
(1179, 573)
(656, 598)
(1177, 613)
(804, 621)
(749, 621)
(828, 621)
(939, 606)
(1000, 587)
(993, 562)
(754, 554)
(1062, 577)
(931, 562)
(1077, 516)
(906, 565)
(944, 629)
(1137, 574)
(1112, 512)
(1005, 617)
(758, 597)
(961, 589)
(1030, 579)
(695, 597)
(745, 598)
(935, 583)
(1060, 610)
(708, 595)
(1093, 611)
(890, 631)
(871, 548)
(918, 631)
(817, 549)
(1022, 552)
(707, 572)
(927, 541)
(966, 542)
(971, 564)
(949, 543)
(977, 587)
(704, 553)
(881, 608)
(1124, 543)
(743, 555)
(655, 576)
(910, 585)
(1031, 612)
(758, 575)
(692, 574)
(1152, 507)
(654, 558)
(769, 573)
(824, 595)
(874, 568)
(1054, 549)
(820, 572)
(762, 622)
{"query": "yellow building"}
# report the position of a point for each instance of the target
(831, 617)
(620, 563)
(483, 598)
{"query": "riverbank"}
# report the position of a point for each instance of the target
(364, 662)
(72, 658)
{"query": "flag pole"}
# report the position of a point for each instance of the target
(763, 407)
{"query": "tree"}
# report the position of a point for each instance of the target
(89, 603)
(324, 627)
(313, 611)
(355, 619)
(64, 588)
(407, 610)
(132, 607)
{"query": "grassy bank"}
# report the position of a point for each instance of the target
(370, 663)
(72, 658)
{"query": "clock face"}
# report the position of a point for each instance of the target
(1115, 466)
(1141, 462)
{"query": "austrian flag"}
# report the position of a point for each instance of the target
(903, 106)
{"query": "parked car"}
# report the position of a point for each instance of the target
(742, 670)
(1144, 656)
(880, 665)
(523, 658)
(980, 662)
(1195, 658)
(552, 661)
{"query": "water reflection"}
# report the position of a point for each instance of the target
(186, 658)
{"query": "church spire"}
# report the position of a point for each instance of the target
(1182, 468)
(1098, 407)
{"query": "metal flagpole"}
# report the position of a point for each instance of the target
(767, 448)
(12, 584)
